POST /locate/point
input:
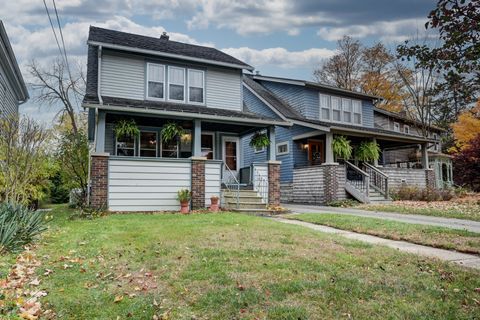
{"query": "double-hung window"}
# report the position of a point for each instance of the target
(406, 129)
(196, 86)
(176, 83)
(155, 81)
(148, 143)
(336, 109)
(396, 126)
(347, 110)
(325, 107)
(125, 146)
(357, 111)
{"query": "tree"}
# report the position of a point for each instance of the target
(343, 69)
(55, 85)
(466, 128)
(24, 164)
(466, 165)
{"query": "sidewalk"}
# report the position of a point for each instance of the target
(467, 260)
(469, 225)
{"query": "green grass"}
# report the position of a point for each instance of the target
(233, 266)
(438, 237)
(458, 211)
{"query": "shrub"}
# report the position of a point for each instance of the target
(347, 203)
(19, 226)
(422, 194)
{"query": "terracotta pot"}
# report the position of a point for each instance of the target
(214, 204)
(184, 207)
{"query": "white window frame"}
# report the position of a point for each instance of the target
(435, 145)
(281, 144)
(406, 129)
(140, 143)
(164, 82)
(328, 107)
(177, 84)
(340, 110)
(349, 101)
(135, 144)
(161, 148)
(259, 150)
(209, 133)
(188, 86)
(359, 113)
(395, 126)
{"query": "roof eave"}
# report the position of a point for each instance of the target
(382, 134)
(169, 55)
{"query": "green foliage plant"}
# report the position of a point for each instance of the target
(341, 147)
(259, 140)
(126, 128)
(367, 151)
(171, 131)
(184, 195)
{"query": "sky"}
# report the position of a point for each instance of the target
(280, 38)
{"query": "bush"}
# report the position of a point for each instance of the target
(422, 194)
(19, 226)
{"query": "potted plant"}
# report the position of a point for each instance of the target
(214, 203)
(171, 131)
(367, 151)
(341, 147)
(183, 197)
(259, 140)
(126, 129)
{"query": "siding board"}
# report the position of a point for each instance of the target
(123, 77)
(224, 89)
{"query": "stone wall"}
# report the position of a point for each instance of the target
(274, 183)
(399, 176)
(286, 192)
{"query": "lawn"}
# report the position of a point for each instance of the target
(438, 237)
(461, 208)
(234, 266)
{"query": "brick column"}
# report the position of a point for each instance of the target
(430, 179)
(330, 182)
(99, 180)
(198, 182)
(274, 182)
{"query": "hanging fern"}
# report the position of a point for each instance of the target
(259, 140)
(367, 151)
(341, 147)
(126, 128)
(171, 131)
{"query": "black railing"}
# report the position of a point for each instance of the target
(378, 179)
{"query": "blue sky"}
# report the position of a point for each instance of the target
(281, 38)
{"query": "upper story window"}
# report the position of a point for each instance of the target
(338, 109)
(406, 129)
(196, 86)
(155, 81)
(396, 126)
(176, 83)
(436, 145)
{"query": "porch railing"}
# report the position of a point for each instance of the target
(260, 183)
(232, 184)
(378, 179)
(357, 182)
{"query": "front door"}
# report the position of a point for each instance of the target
(230, 154)
(316, 154)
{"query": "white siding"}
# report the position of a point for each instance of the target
(260, 180)
(137, 185)
(212, 180)
(123, 77)
(224, 89)
(8, 102)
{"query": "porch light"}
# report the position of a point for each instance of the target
(186, 137)
(305, 146)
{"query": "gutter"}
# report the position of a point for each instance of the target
(99, 73)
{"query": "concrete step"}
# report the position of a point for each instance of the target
(242, 193)
(245, 205)
(233, 198)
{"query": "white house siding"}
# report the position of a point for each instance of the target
(308, 185)
(260, 180)
(8, 102)
(146, 185)
(224, 89)
(399, 176)
(213, 180)
(122, 77)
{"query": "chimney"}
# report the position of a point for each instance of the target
(164, 36)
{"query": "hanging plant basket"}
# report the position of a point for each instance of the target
(172, 131)
(259, 140)
(341, 147)
(367, 151)
(126, 129)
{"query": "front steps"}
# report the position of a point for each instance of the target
(248, 201)
(376, 197)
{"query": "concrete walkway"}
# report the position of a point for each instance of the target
(463, 259)
(469, 225)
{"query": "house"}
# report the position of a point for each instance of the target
(13, 90)
(159, 83)
(310, 172)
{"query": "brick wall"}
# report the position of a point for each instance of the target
(198, 183)
(99, 181)
(274, 183)
(331, 182)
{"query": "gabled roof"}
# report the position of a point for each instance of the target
(9, 62)
(162, 46)
(404, 118)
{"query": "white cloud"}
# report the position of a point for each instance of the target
(280, 56)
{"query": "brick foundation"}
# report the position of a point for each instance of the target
(198, 183)
(274, 183)
(330, 182)
(430, 179)
(99, 181)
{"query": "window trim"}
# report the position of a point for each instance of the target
(406, 128)
(164, 82)
(188, 86)
(360, 113)
(394, 126)
(341, 110)
(255, 150)
(350, 101)
(175, 84)
(280, 144)
(329, 107)
(140, 143)
(209, 133)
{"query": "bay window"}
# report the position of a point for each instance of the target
(155, 81)
(196, 86)
(176, 83)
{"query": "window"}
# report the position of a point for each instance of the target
(186, 144)
(148, 144)
(406, 129)
(170, 149)
(336, 109)
(347, 110)
(324, 107)
(176, 83)
(258, 150)
(125, 146)
(396, 126)
(357, 111)
(282, 148)
(196, 86)
(435, 145)
(155, 81)
(207, 145)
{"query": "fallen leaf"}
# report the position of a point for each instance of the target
(118, 299)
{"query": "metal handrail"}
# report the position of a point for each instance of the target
(361, 185)
(260, 184)
(235, 183)
(378, 179)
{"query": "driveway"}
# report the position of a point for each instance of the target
(473, 226)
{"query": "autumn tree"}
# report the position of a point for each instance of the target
(466, 165)
(466, 128)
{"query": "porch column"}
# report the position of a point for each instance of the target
(274, 183)
(100, 133)
(328, 148)
(425, 156)
(99, 180)
(197, 138)
(272, 152)
(198, 182)
(375, 162)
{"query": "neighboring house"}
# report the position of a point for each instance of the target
(156, 81)
(309, 171)
(13, 91)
